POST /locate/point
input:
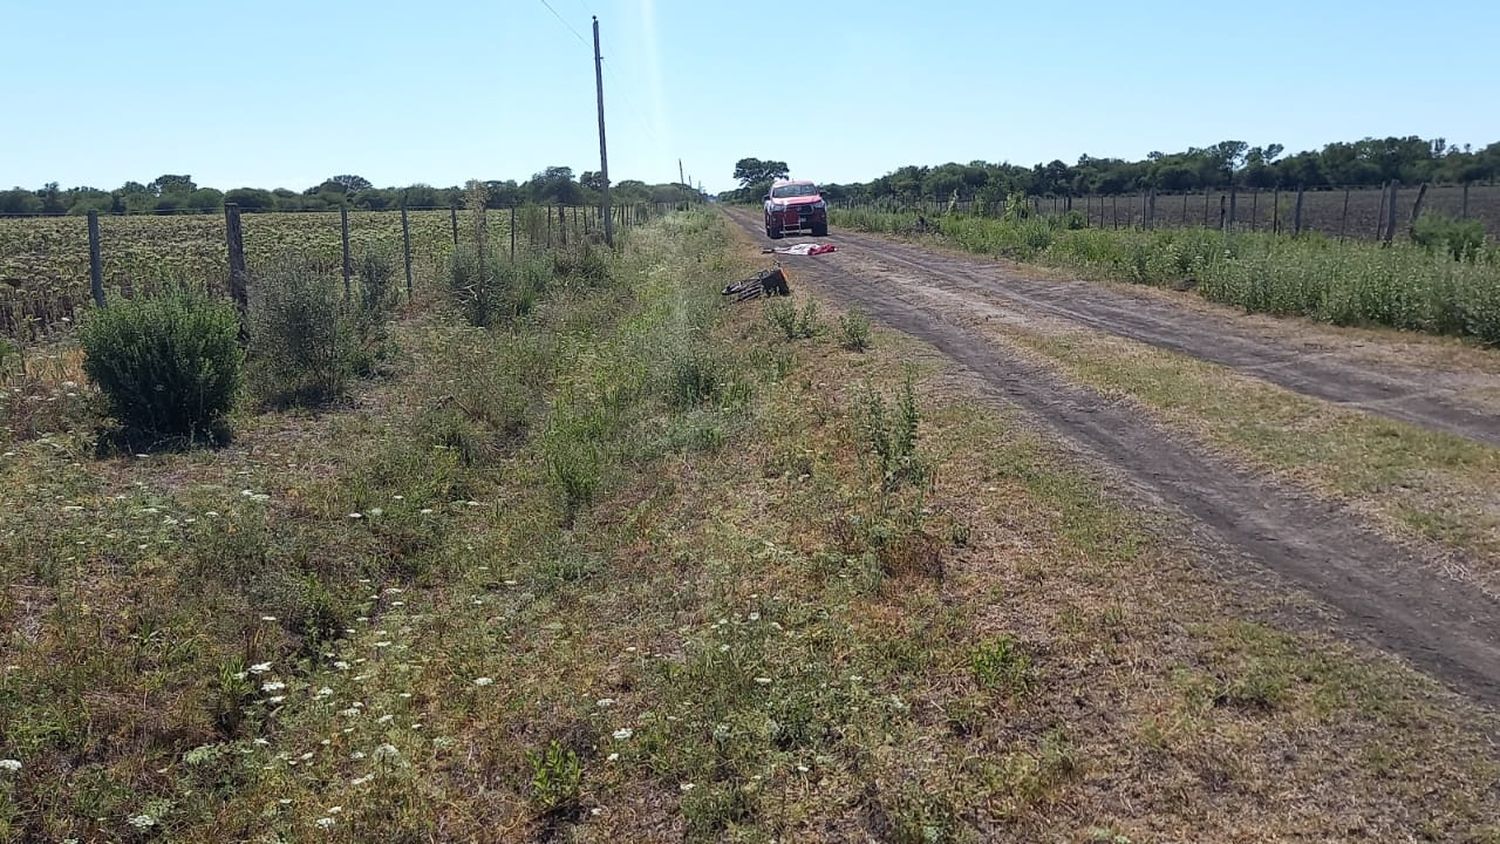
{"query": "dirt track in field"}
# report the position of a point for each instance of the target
(1431, 400)
(1380, 592)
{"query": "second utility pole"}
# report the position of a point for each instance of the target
(609, 226)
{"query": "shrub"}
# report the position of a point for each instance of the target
(854, 331)
(794, 324)
(377, 269)
(169, 367)
(1461, 239)
(306, 343)
(490, 290)
(890, 435)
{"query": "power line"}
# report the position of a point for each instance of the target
(564, 22)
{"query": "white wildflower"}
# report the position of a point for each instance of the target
(624, 733)
(351, 712)
(357, 755)
(755, 616)
(362, 780)
(385, 719)
(376, 511)
(323, 692)
(764, 681)
(268, 618)
(142, 821)
(387, 751)
(334, 810)
(426, 511)
(356, 515)
(483, 681)
(604, 702)
(341, 665)
(304, 757)
(260, 668)
(687, 786)
(326, 823)
(273, 686)
(613, 757)
(10, 765)
(275, 699)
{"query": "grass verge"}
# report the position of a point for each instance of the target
(636, 567)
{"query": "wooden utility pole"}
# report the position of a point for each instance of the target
(681, 179)
(609, 228)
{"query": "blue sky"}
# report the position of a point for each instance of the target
(271, 93)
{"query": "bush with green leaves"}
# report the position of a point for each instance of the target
(168, 366)
(792, 323)
(1461, 239)
(490, 289)
(854, 331)
(890, 434)
(306, 342)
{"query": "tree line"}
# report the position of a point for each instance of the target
(1368, 162)
(172, 193)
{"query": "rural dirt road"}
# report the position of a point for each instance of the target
(1380, 592)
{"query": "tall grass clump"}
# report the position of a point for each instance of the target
(168, 366)
(490, 290)
(307, 343)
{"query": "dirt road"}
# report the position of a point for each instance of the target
(1380, 591)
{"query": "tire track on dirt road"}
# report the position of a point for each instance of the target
(1413, 396)
(1382, 592)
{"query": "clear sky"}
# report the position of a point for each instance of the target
(285, 93)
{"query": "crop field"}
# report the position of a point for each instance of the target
(44, 261)
(1262, 210)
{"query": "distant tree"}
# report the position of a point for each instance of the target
(205, 199)
(352, 184)
(19, 201)
(52, 199)
(251, 199)
(169, 183)
(592, 180)
(749, 171)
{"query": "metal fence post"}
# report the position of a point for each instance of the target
(406, 248)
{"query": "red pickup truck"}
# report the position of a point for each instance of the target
(795, 207)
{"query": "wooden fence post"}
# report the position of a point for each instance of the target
(1297, 214)
(1416, 211)
(1114, 202)
(1205, 208)
(96, 262)
(1184, 209)
(512, 234)
(1463, 213)
(1254, 208)
(1151, 209)
(1344, 218)
(1276, 210)
(453, 216)
(348, 264)
(235, 241)
(406, 248)
(1380, 214)
(1390, 214)
(1223, 213)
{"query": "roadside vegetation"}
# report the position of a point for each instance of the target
(603, 559)
(1446, 282)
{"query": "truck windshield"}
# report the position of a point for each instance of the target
(784, 191)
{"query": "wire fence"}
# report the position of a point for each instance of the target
(53, 266)
(1357, 213)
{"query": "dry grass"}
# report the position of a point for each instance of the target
(742, 634)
